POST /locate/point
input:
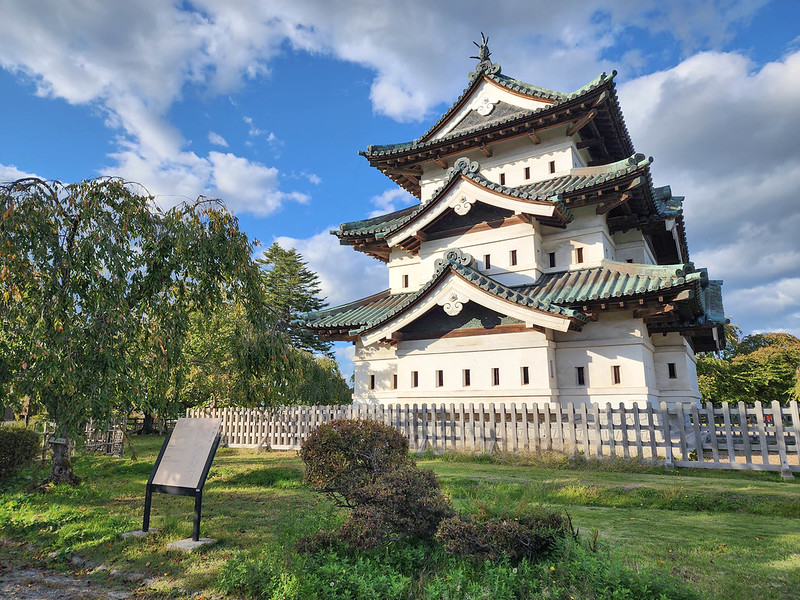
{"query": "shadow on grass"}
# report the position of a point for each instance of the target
(269, 477)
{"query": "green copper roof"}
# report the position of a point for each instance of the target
(371, 312)
(359, 313)
(553, 292)
(611, 280)
(506, 82)
(583, 178)
(713, 314)
(379, 224)
(549, 190)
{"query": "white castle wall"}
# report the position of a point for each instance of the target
(616, 339)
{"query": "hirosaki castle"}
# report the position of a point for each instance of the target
(540, 264)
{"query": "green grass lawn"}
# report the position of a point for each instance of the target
(728, 534)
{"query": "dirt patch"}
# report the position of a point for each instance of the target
(22, 578)
(38, 584)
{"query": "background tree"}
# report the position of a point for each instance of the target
(97, 290)
(210, 368)
(291, 289)
(763, 366)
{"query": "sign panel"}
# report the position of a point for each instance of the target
(187, 452)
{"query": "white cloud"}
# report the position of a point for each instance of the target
(718, 129)
(12, 173)
(312, 177)
(776, 305)
(134, 59)
(345, 275)
(244, 185)
(390, 201)
(217, 139)
(253, 185)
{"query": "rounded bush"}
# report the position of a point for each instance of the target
(18, 447)
(346, 454)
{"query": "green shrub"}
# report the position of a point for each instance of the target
(347, 454)
(406, 502)
(503, 536)
(18, 447)
(364, 465)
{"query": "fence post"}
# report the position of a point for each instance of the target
(777, 420)
(663, 414)
(795, 427)
(762, 432)
(623, 423)
(712, 430)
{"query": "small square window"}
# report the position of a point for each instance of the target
(487, 261)
(526, 377)
(673, 373)
(552, 258)
(414, 379)
(552, 166)
(372, 382)
(405, 281)
(578, 255)
(495, 376)
(513, 258)
(502, 178)
(527, 172)
(439, 378)
(394, 381)
(615, 374)
(630, 260)
(580, 377)
(465, 377)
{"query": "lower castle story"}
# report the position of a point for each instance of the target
(613, 360)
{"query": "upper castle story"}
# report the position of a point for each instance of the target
(529, 181)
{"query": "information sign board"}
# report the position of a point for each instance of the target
(183, 464)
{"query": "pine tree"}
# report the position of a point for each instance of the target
(292, 289)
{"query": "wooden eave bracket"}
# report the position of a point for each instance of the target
(440, 161)
(581, 123)
(602, 98)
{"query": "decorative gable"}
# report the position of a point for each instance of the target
(487, 104)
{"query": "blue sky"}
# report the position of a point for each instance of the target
(266, 105)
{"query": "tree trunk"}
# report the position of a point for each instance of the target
(148, 426)
(61, 467)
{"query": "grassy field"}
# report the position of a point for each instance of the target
(729, 535)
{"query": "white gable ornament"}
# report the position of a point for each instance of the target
(453, 303)
(485, 106)
(463, 205)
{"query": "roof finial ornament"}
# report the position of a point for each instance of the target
(485, 65)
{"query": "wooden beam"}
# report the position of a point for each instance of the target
(604, 207)
(581, 123)
(534, 138)
(486, 150)
(600, 99)
(441, 162)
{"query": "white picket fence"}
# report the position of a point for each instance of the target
(754, 437)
